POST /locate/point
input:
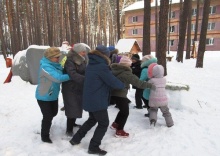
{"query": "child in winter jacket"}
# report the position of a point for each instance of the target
(158, 97)
(146, 61)
(123, 72)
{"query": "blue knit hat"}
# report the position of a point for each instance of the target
(103, 49)
(111, 48)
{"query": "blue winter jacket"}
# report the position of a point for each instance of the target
(50, 77)
(144, 75)
(99, 81)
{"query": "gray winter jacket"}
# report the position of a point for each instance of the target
(72, 90)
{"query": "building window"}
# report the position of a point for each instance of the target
(171, 43)
(193, 27)
(210, 41)
(194, 11)
(211, 26)
(212, 9)
(172, 14)
(172, 29)
(134, 31)
(134, 19)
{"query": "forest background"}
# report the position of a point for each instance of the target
(94, 22)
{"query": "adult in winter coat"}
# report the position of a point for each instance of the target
(72, 90)
(136, 70)
(123, 72)
(98, 82)
(158, 97)
(146, 61)
(50, 77)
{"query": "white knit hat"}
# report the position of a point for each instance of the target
(79, 47)
(147, 57)
(125, 61)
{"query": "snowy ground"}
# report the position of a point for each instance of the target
(196, 115)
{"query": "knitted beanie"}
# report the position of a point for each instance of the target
(111, 48)
(126, 61)
(79, 47)
(147, 57)
(52, 52)
(103, 49)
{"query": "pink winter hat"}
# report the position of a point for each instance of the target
(125, 61)
(150, 69)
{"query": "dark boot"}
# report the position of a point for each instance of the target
(46, 138)
(98, 152)
(69, 126)
(45, 131)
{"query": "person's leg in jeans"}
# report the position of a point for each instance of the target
(84, 129)
(49, 109)
(123, 113)
(138, 98)
(103, 122)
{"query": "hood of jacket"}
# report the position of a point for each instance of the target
(148, 62)
(45, 62)
(76, 57)
(158, 71)
(96, 57)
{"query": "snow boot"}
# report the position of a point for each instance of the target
(98, 152)
(152, 121)
(121, 134)
(114, 126)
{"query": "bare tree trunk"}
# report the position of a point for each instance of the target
(146, 29)
(189, 23)
(118, 20)
(196, 28)
(182, 33)
(3, 44)
(156, 27)
(202, 40)
(163, 19)
(76, 26)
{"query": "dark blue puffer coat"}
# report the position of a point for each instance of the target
(99, 81)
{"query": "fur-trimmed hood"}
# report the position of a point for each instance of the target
(76, 57)
(146, 63)
(100, 54)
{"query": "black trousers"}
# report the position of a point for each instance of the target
(139, 97)
(100, 117)
(122, 116)
(49, 110)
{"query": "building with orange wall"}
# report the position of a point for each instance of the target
(134, 17)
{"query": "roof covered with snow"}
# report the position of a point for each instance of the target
(140, 5)
(125, 45)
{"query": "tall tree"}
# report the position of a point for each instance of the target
(182, 31)
(146, 30)
(196, 28)
(118, 20)
(156, 26)
(2, 39)
(202, 40)
(189, 23)
(162, 37)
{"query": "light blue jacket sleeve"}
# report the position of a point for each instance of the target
(54, 74)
